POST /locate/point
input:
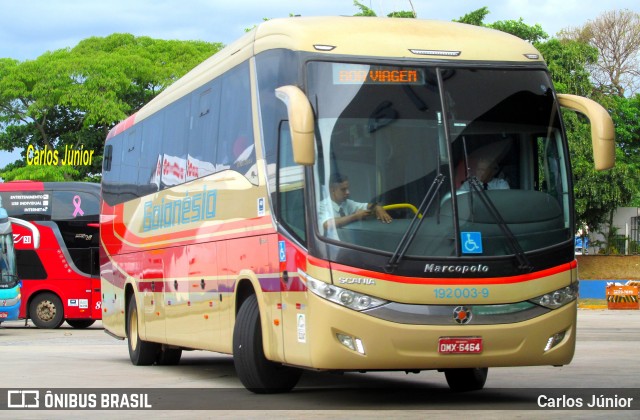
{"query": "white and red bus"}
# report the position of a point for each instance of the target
(60, 278)
(221, 227)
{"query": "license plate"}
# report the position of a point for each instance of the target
(4, 315)
(460, 345)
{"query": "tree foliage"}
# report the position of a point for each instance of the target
(72, 97)
(532, 33)
(518, 28)
(402, 14)
(364, 10)
(568, 63)
(616, 35)
(597, 193)
(475, 17)
(41, 173)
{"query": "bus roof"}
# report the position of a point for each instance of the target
(352, 36)
(390, 37)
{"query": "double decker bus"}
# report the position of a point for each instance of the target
(221, 224)
(56, 231)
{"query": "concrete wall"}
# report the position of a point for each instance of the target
(595, 271)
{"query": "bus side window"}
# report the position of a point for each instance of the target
(201, 156)
(29, 265)
(235, 135)
(291, 204)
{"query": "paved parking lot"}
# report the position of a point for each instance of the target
(607, 356)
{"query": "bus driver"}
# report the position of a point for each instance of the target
(339, 210)
(486, 170)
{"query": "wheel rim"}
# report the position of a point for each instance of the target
(133, 329)
(46, 310)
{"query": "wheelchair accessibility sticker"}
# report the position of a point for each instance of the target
(471, 242)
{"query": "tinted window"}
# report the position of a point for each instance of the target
(70, 205)
(150, 156)
(29, 265)
(235, 138)
(204, 134)
(174, 143)
(81, 240)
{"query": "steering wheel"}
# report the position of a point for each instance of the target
(407, 206)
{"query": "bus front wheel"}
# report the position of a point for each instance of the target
(46, 311)
(256, 373)
(462, 380)
(141, 353)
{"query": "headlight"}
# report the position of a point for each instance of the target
(557, 298)
(11, 302)
(343, 297)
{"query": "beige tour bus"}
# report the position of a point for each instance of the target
(349, 194)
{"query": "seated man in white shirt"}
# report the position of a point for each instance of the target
(486, 170)
(339, 210)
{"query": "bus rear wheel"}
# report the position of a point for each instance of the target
(80, 323)
(256, 373)
(462, 380)
(141, 353)
(46, 311)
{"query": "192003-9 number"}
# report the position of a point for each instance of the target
(461, 292)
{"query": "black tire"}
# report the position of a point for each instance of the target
(168, 356)
(463, 380)
(46, 311)
(80, 323)
(141, 353)
(256, 373)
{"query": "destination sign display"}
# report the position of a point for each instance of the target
(358, 74)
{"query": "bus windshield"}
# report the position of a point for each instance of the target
(8, 277)
(465, 161)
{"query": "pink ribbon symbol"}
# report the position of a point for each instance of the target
(76, 203)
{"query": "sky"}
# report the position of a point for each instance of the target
(29, 28)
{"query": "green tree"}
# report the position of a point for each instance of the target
(40, 173)
(72, 97)
(518, 28)
(598, 193)
(474, 18)
(626, 118)
(402, 14)
(364, 10)
(568, 63)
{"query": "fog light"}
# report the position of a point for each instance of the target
(352, 343)
(554, 340)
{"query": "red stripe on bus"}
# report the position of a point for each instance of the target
(22, 186)
(458, 280)
(122, 126)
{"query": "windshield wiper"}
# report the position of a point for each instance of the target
(411, 231)
(523, 262)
